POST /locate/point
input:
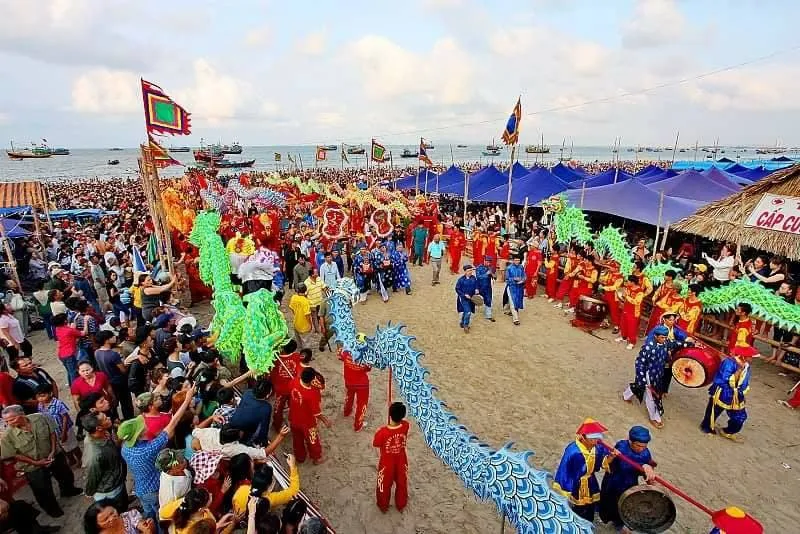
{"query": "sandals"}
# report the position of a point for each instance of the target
(657, 424)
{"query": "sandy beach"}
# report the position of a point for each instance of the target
(532, 384)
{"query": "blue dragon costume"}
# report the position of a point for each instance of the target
(520, 492)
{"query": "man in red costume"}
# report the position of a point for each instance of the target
(356, 382)
(455, 247)
(585, 280)
(393, 463)
(552, 265)
(491, 249)
(305, 408)
(533, 262)
(565, 285)
(282, 375)
(610, 282)
(477, 247)
(631, 311)
(741, 335)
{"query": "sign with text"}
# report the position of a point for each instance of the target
(776, 212)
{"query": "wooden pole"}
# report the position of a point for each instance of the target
(742, 217)
(524, 212)
(452, 161)
(675, 148)
(696, 144)
(616, 170)
(664, 238)
(389, 397)
(583, 192)
(658, 226)
(508, 197)
(466, 193)
(10, 256)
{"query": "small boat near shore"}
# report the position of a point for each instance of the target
(59, 151)
(356, 150)
(330, 147)
(34, 153)
(204, 155)
(461, 146)
(113, 162)
(227, 164)
(115, 149)
(491, 153)
(234, 148)
(180, 149)
(409, 154)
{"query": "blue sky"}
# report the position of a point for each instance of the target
(267, 72)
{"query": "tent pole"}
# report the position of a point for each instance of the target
(664, 238)
(10, 256)
(658, 226)
(452, 160)
(675, 148)
(508, 198)
(616, 170)
(583, 192)
(466, 192)
(524, 212)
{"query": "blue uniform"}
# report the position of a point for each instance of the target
(362, 271)
(619, 478)
(484, 276)
(576, 479)
(515, 286)
(676, 339)
(728, 392)
(465, 288)
(402, 278)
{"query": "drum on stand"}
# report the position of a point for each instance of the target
(591, 309)
(695, 367)
(647, 509)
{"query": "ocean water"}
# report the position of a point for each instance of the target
(91, 163)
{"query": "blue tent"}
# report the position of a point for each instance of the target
(520, 170)
(403, 182)
(13, 228)
(566, 173)
(754, 175)
(410, 182)
(725, 178)
(451, 176)
(657, 176)
(605, 178)
(536, 185)
(479, 183)
(648, 170)
(632, 200)
(694, 185)
(736, 168)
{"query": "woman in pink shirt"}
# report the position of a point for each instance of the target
(67, 337)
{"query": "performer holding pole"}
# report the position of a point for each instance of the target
(392, 461)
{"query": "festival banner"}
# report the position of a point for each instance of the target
(511, 133)
(322, 154)
(423, 153)
(344, 155)
(161, 157)
(776, 212)
(161, 114)
(378, 152)
(277, 156)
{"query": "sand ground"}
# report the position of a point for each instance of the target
(532, 384)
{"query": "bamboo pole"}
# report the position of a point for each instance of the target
(452, 161)
(616, 170)
(10, 257)
(466, 194)
(37, 224)
(583, 192)
(524, 212)
(658, 226)
(675, 148)
(508, 197)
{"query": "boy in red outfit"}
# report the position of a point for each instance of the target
(631, 311)
(304, 411)
(393, 462)
(282, 376)
(356, 382)
(305, 363)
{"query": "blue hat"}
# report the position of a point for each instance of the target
(467, 267)
(639, 434)
(660, 330)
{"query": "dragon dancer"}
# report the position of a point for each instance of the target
(393, 462)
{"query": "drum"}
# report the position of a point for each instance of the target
(591, 310)
(695, 367)
(647, 509)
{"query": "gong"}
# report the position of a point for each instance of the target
(647, 509)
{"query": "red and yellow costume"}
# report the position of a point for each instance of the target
(455, 247)
(282, 376)
(631, 312)
(690, 314)
(664, 300)
(610, 282)
(356, 383)
(532, 264)
(491, 249)
(741, 335)
(478, 241)
(551, 280)
(570, 268)
(304, 408)
(581, 287)
(392, 465)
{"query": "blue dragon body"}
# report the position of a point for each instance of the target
(520, 492)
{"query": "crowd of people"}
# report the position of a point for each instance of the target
(150, 396)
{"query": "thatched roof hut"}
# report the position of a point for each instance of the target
(723, 220)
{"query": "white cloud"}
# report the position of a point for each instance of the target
(4, 118)
(214, 96)
(269, 109)
(444, 75)
(260, 36)
(329, 118)
(313, 44)
(588, 59)
(106, 91)
(654, 23)
(761, 89)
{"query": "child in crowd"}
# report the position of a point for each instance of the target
(65, 427)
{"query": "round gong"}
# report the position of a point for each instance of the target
(647, 509)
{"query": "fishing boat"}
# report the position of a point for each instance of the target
(491, 153)
(330, 147)
(29, 153)
(180, 149)
(228, 164)
(113, 162)
(355, 150)
(493, 147)
(115, 149)
(537, 149)
(59, 151)
(205, 155)
(428, 146)
(409, 154)
(234, 148)
(461, 146)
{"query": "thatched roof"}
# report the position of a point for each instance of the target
(723, 220)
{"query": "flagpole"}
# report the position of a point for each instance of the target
(452, 161)
(342, 158)
(675, 148)
(466, 194)
(508, 198)
(616, 171)
(419, 166)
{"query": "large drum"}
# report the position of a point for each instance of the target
(695, 367)
(591, 310)
(647, 509)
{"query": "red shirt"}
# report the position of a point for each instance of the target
(284, 372)
(82, 389)
(67, 337)
(6, 390)
(505, 251)
(154, 424)
(355, 374)
(392, 441)
(304, 406)
(318, 381)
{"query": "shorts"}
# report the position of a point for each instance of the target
(782, 336)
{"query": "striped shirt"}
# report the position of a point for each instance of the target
(314, 290)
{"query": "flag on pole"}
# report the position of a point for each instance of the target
(161, 114)
(511, 133)
(378, 152)
(138, 261)
(423, 153)
(152, 249)
(278, 156)
(322, 154)
(344, 155)
(161, 157)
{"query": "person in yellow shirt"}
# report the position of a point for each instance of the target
(136, 300)
(184, 513)
(262, 486)
(315, 291)
(301, 308)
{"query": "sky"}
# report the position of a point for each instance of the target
(264, 72)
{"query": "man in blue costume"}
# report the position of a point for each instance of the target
(575, 478)
(513, 296)
(677, 339)
(466, 286)
(649, 366)
(485, 277)
(363, 272)
(620, 476)
(384, 272)
(727, 392)
(402, 278)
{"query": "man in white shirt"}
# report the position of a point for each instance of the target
(176, 480)
(329, 271)
(721, 267)
(226, 440)
(436, 252)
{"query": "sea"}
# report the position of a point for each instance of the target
(94, 163)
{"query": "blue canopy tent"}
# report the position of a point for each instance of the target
(410, 182)
(451, 176)
(403, 182)
(694, 185)
(605, 178)
(520, 170)
(754, 175)
(14, 228)
(632, 200)
(648, 170)
(725, 178)
(566, 173)
(479, 183)
(535, 186)
(657, 176)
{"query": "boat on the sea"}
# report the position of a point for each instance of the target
(234, 148)
(428, 146)
(204, 155)
(409, 154)
(355, 150)
(461, 146)
(330, 147)
(31, 153)
(115, 150)
(491, 153)
(493, 147)
(538, 149)
(113, 162)
(59, 151)
(227, 164)
(180, 149)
